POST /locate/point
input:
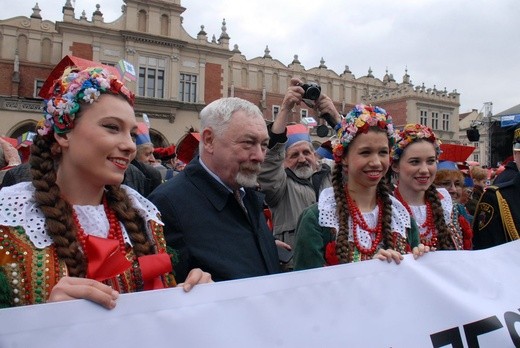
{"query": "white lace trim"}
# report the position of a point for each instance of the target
(18, 208)
(328, 217)
(419, 211)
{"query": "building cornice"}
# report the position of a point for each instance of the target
(86, 27)
(21, 104)
(152, 39)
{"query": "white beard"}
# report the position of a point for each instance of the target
(248, 175)
(304, 172)
(247, 180)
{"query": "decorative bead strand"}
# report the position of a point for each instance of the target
(428, 226)
(359, 221)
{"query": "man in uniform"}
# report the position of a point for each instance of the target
(497, 218)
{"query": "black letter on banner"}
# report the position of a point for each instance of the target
(450, 336)
(512, 318)
(473, 330)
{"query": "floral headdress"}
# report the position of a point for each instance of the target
(359, 120)
(73, 88)
(410, 134)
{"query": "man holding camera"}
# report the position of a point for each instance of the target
(290, 176)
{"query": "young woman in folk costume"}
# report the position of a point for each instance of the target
(414, 160)
(357, 219)
(74, 231)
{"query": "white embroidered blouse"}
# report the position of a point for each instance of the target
(18, 208)
(329, 218)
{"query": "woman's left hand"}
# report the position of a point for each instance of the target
(388, 255)
(196, 276)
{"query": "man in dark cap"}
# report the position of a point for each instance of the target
(511, 168)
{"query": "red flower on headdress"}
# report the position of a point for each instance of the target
(364, 128)
(337, 152)
(63, 122)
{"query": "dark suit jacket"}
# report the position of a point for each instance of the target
(152, 176)
(207, 227)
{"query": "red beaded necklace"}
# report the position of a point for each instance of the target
(359, 221)
(428, 226)
(114, 231)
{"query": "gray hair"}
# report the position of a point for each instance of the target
(217, 114)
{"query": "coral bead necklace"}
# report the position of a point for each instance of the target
(114, 231)
(428, 226)
(359, 221)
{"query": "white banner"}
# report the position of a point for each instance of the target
(446, 298)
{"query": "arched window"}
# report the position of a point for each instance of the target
(22, 47)
(244, 78)
(158, 139)
(276, 83)
(165, 25)
(141, 21)
(46, 50)
(20, 129)
(260, 79)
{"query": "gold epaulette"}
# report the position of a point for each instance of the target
(507, 219)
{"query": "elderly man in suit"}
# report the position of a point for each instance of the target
(212, 212)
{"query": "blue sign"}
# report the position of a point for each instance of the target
(509, 120)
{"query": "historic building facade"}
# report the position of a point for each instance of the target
(179, 74)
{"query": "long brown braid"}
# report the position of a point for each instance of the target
(342, 245)
(443, 233)
(57, 211)
(383, 191)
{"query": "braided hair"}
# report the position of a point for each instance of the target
(444, 240)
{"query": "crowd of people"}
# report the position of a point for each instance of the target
(98, 210)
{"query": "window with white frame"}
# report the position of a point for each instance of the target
(275, 111)
(188, 88)
(476, 156)
(445, 122)
(423, 117)
(435, 120)
(304, 113)
(38, 84)
(151, 77)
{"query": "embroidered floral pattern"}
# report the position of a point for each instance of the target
(75, 87)
(359, 120)
(411, 133)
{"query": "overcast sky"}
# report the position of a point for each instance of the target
(472, 46)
